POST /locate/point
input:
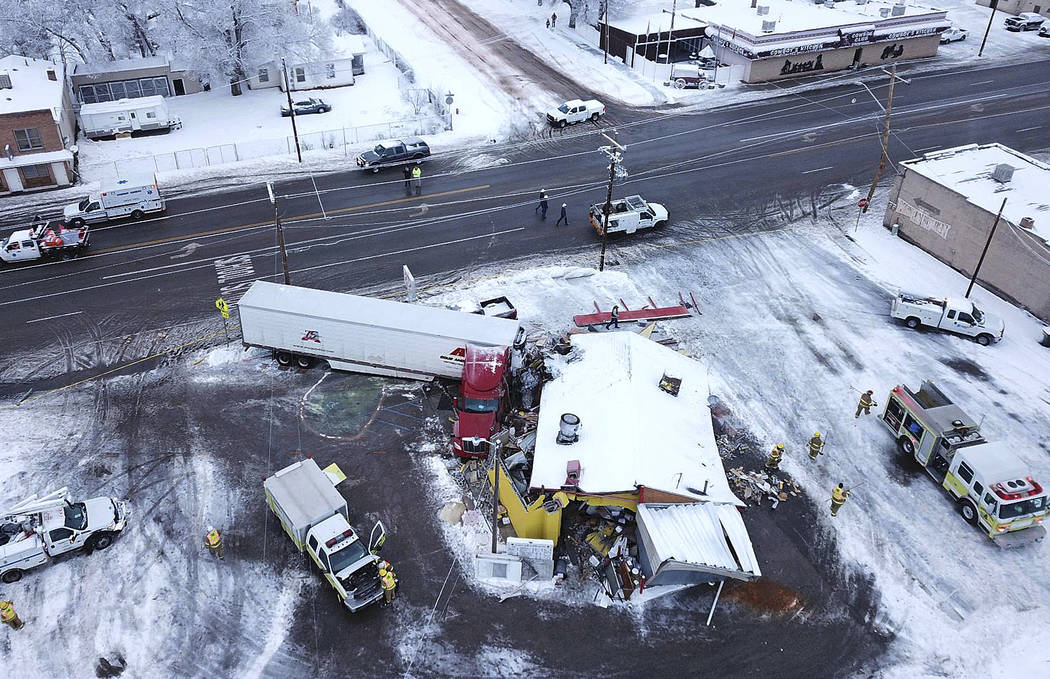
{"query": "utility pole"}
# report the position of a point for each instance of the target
(291, 113)
(280, 233)
(973, 279)
(607, 32)
(615, 154)
(994, 5)
(885, 139)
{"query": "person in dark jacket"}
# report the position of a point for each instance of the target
(542, 207)
(614, 318)
(564, 216)
(407, 171)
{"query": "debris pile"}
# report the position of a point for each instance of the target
(753, 486)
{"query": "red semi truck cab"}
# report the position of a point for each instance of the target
(482, 396)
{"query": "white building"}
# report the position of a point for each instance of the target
(338, 70)
(790, 38)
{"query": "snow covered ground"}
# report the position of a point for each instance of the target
(252, 122)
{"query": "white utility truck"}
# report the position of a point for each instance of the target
(627, 215)
(44, 240)
(992, 487)
(38, 528)
(363, 334)
(117, 198)
(948, 313)
(575, 111)
(316, 518)
(109, 118)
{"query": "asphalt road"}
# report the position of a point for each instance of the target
(350, 230)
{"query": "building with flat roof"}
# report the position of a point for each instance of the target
(1015, 7)
(947, 201)
(37, 125)
(789, 38)
(132, 78)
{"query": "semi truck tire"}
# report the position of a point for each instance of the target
(11, 576)
(906, 446)
(283, 358)
(984, 340)
(304, 362)
(137, 215)
(968, 511)
(912, 322)
(101, 541)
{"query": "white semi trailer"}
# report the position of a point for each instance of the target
(363, 334)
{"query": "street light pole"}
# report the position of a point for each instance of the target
(280, 233)
(973, 279)
(613, 152)
(291, 109)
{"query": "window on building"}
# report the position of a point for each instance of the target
(134, 90)
(264, 75)
(151, 114)
(329, 70)
(118, 90)
(36, 172)
(29, 139)
(300, 74)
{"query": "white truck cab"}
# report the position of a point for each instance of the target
(575, 111)
(43, 241)
(627, 215)
(952, 314)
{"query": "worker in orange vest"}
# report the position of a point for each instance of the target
(816, 446)
(773, 463)
(839, 495)
(213, 541)
(9, 617)
(387, 581)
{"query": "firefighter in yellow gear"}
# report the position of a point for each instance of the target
(775, 455)
(865, 403)
(213, 541)
(9, 617)
(816, 445)
(838, 498)
(386, 579)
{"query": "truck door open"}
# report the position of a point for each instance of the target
(377, 538)
(922, 452)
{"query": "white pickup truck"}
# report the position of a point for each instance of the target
(627, 215)
(39, 528)
(575, 111)
(44, 240)
(948, 313)
(315, 516)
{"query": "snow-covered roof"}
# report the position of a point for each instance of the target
(414, 318)
(699, 533)
(633, 433)
(967, 170)
(31, 89)
(349, 44)
(120, 65)
(36, 158)
(792, 16)
(120, 105)
(659, 22)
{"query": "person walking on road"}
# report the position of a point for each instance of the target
(775, 455)
(865, 404)
(614, 318)
(417, 178)
(816, 445)
(554, 19)
(564, 216)
(9, 617)
(542, 207)
(839, 495)
(213, 541)
(407, 171)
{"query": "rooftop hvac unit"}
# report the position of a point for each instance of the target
(884, 12)
(898, 10)
(862, 2)
(1028, 222)
(5, 81)
(763, 10)
(1003, 173)
(768, 26)
(568, 429)
(829, 4)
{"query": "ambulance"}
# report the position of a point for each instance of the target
(992, 487)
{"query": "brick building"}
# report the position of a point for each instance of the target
(946, 202)
(37, 125)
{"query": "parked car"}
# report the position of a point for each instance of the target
(307, 106)
(1044, 32)
(397, 152)
(953, 34)
(575, 111)
(1025, 21)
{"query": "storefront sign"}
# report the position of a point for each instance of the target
(846, 38)
(913, 33)
(797, 49)
(803, 66)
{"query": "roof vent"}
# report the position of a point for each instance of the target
(572, 475)
(5, 81)
(763, 10)
(1027, 222)
(884, 12)
(568, 429)
(898, 10)
(1003, 173)
(670, 384)
(769, 26)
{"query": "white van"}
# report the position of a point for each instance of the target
(116, 198)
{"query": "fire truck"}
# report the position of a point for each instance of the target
(992, 487)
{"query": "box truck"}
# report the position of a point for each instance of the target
(109, 118)
(363, 334)
(117, 198)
